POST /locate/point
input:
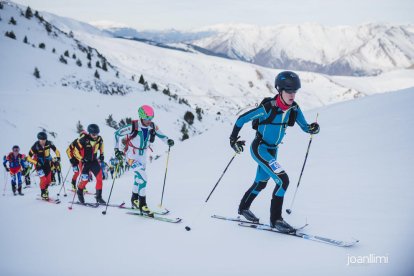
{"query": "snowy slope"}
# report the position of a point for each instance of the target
(356, 184)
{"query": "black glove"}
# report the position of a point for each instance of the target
(101, 158)
(170, 142)
(313, 128)
(74, 161)
(237, 145)
(119, 154)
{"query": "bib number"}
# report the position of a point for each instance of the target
(41, 173)
(275, 166)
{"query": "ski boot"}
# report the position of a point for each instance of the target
(99, 198)
(81, 199)
(44, 194)
(19, 190)
(134, 201)
(144, 208)
(282, 226)
(73, 184)
(248, 215)
(14, 189)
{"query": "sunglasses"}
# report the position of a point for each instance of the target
(291, 91)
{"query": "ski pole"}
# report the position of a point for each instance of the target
(215, 186)
(110, 193)
(5, 182)
(231, 160)
(63, 185)
(76, 190)
(289, 211)
(165, 176)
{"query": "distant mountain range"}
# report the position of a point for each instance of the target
(362, 50)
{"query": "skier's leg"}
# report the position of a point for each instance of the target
(258, 185)
(83, 181)
(13, 182)
(20, 182)
(97, 171)
(139, 188)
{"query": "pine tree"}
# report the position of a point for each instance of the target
(1, 5)
(48, 27)
(184, 131)
(66, 53)
(154, 86)
(97, 74)
(54, 50)
(97, 64)
(89, 56)
(141, 80)
(25, 40)
(10, 34)
(36, 73)
(79, 127)
(79, 63)
(146, 86)
(12, 21)
(74, 56)
(28, 13)
(89, 65)
(63, 60)
(189, 117)
(42, 46)
(111, 122)
(117, 74)
(199, 111)
(104, 66)
(71, 34)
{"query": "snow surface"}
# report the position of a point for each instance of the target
(356, 184)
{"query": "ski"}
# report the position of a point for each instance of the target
(114, 205)
(162, 213)
(299, 234)
(238, 219)
(175, 220)
(85, 193)
(87, 204)
(50, 200)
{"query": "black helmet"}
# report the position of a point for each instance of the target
(42, 135)
(288, 81)
(93, 129)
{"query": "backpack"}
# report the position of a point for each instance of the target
(270, 105)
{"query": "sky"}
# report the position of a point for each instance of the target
(190, 14)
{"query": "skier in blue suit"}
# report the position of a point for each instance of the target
(270, 119)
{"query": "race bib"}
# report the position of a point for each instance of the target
(75, 169)
(275, 166)
(84, 177)
(40, 173)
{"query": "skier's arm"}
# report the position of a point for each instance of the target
(5, 162)
(121, 132)
(246, 117)
(31, 157)
(160, 134)
(101, 151)
(57, 152)
(77, 149)
(300, 119)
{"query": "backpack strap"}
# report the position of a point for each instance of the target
(271, 107)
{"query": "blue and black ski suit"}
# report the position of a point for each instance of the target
(264, 150)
